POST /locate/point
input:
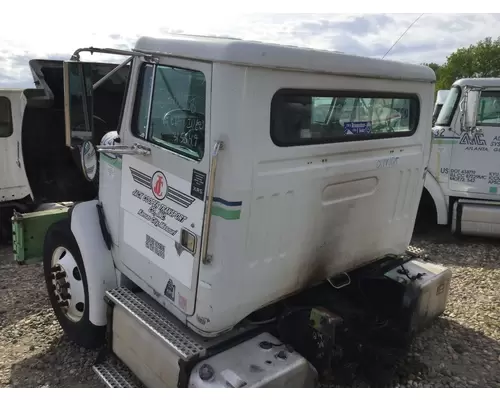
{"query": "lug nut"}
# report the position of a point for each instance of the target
(63, 304)
(65, 296)
(56, 268)
(61, 275)
(65, 285)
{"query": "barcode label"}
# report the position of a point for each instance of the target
(155, 246)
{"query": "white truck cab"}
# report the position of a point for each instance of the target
(462, 184)
(255, 206)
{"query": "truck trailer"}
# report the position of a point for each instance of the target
(254, 211)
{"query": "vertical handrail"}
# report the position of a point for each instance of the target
(206, 259)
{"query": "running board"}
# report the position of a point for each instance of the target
(114, 374)
(150, 341)
(161, 324)
(415, 251)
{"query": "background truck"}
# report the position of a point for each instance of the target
(38, 164)
(242, 238)
(463, 179)
(440, 99)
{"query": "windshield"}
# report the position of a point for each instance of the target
(450, 105)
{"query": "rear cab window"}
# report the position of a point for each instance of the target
(301, 117)
(6, 127)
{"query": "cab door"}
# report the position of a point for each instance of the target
(475, 161)
(163, 186)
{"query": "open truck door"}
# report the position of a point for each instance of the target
(78, 102)
(93, 102)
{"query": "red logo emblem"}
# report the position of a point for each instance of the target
(159, 185)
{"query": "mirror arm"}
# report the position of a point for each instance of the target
(105, 77)
(116, 52)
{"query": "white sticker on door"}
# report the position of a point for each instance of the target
(157, 248)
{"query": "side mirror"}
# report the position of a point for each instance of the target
(470, 109)
(78, 102)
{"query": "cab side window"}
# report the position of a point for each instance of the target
(6, 127)
(169, 109)
(489, 109)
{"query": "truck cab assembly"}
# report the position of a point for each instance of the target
(253, 213)
(461, 186)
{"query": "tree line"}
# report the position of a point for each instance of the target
(480, 60)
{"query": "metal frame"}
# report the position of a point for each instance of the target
(92, 50)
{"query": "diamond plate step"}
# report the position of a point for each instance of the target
(114, 374)
(415, 251)
(180, 340)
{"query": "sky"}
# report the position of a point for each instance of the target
(42, 34)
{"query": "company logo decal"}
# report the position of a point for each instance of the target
(159, 186)
(477, 140)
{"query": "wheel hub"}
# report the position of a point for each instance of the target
(67, 284)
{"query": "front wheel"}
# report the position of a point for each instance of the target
(67, 286)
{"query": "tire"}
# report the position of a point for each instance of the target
(65, 276)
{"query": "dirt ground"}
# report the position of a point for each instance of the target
(461, 349)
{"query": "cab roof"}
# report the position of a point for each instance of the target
(482, 82)
(266, 55)
(6, 91)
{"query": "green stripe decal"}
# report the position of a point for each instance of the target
(114, 162)
(225, 209)
(445, 141)
(225, 213)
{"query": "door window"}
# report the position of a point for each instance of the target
(170, 109)
(489, 109)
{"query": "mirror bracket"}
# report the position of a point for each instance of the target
(116, 52)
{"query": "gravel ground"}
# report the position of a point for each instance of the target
(461, 349)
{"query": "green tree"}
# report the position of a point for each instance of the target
(437, 70)
(481, 60)
(435, 67)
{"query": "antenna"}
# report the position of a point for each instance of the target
(404, 33)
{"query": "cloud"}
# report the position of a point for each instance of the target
(431, 39)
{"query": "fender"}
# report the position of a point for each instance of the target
(97, 259)
(434, 189)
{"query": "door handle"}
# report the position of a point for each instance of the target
(135, 149)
